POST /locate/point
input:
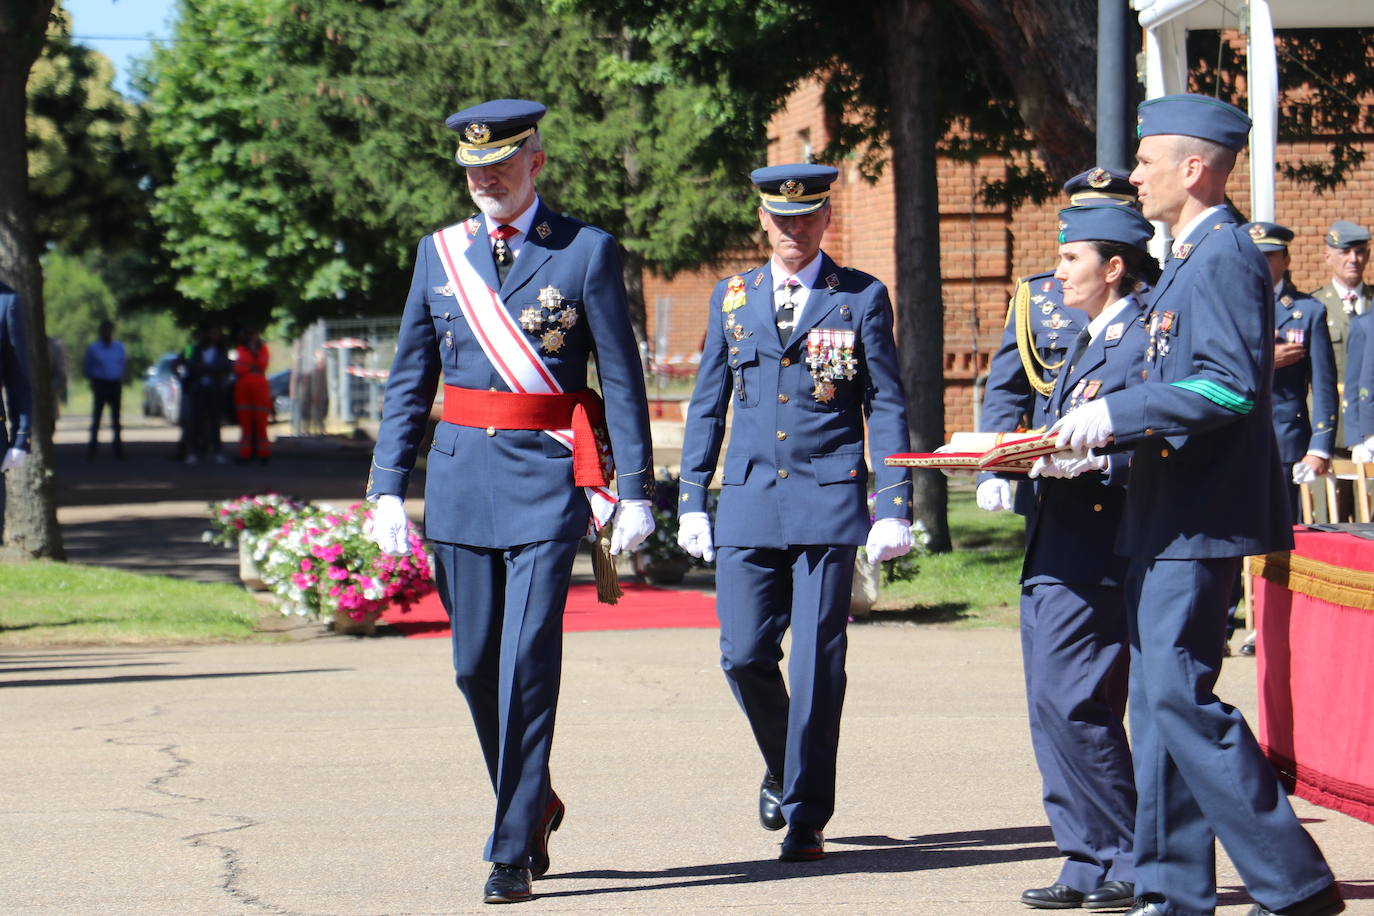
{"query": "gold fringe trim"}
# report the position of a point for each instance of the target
(603, 565)
(1336, 584)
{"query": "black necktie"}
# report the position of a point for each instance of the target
(500, 250)
(786, 315)
(1080, 343)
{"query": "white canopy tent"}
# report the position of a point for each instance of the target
(1167, 23)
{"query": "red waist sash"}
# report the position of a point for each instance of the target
(581, 411)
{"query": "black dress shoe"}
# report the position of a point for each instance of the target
(1145, 907)
(539, 852)
(1322, 903)
(1054, 897)
(1113, 895)
(507, 884)
(802, 844)
(770, 803)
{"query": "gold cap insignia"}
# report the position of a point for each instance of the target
(1333, 238)
(791, 189)
(477, 132)
(1099, 178)
(1063, 225)
(1256, 232)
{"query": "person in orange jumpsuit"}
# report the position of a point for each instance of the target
(252, 396)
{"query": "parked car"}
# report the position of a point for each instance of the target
(162, 389)
(279, 384)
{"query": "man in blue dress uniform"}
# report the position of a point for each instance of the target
(15, 393)
(1205, 489)
(508, 307)
(1037, 335)
(1073, 611)
(803, 351)
(1303, 361)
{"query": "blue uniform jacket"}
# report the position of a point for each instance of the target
(1071, 532)
(1302, 319)
(14, 374)
(1009, 401)
(1205, 475)
(795, 471)
(511, 487)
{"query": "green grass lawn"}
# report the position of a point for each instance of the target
(62, 604)
(975, 585)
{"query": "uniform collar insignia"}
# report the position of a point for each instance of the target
(474, 224)
(1184, 250)
(543, 230)
(1113, 331)
(758, 278)
(832, 281)
(1287, 300)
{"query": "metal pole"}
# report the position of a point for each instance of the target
(1115, 85)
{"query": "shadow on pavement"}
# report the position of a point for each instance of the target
(883, 855)
(143, 678)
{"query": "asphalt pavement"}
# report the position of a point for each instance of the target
(340, 775)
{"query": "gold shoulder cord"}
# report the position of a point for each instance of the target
(1025, 346)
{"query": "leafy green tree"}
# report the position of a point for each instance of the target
(308, 149)
(84, 168)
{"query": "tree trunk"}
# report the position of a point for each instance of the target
(903, 25)
(31, 511)
(1050, 51)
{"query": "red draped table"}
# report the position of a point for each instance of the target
(1315, 613)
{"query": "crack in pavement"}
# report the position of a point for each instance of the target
(230, 858)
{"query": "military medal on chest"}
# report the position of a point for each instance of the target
(550, 320)
(734, 299)
(829, 358)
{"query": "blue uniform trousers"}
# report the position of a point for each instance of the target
(1073, 645)
(506, 607)
(759, 593)
(1200, 773)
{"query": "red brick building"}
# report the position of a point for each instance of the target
(983, 249)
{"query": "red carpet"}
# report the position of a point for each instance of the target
(642, 607)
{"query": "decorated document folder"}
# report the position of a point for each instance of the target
(1009, 453)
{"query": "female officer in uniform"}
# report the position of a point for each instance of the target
(1073, 612)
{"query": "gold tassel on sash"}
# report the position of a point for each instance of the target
(603, 565)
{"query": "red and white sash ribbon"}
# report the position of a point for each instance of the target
(504, 343)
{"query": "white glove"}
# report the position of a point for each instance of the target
(13, 458)
(694, 535)
(942, 450)
(994, 494)
(390, 527)
(1090, 426)
(1067, 464)
(888, 539)
(634, 521)
(1303, 473)
(1367, 446)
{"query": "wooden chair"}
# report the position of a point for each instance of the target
(1341, 469)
